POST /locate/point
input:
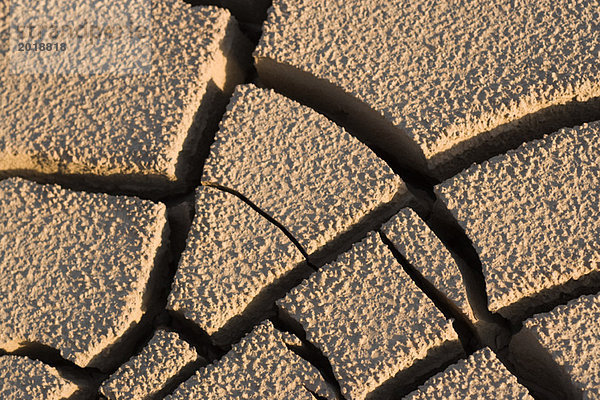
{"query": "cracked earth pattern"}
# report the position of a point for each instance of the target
(305, 199)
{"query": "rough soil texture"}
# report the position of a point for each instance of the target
(480, 376)
(146, 374)
(369, 319)
(232, 255)
(423, 249)
(260, 367)
(74, 267)
(533, 217)
(131, 128)
(22, 378)
(445, 75)
(385, 189)
(570, 335)
(299, 167)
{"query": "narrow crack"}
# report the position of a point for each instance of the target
(500, 329)
(195, 336)
(307, 351)
(462, 326)
(455, 239)
(515, 133)
(577, 289)
(185, 373)
(265, 215)
(79, 185)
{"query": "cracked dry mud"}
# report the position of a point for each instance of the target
(382, 200)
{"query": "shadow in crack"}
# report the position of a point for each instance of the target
(462, 325)
(395, 146)
(308, 351)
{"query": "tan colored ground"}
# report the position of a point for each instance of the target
(390, 199)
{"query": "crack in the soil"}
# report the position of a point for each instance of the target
(562, 300)
(181, 216)
(250, 16)
(448, 230)
(452, 235)
(513, 134)
(395, 147)
(315, 395)
(88, 379)
(307, 351)
(462, 325)
(265, 215)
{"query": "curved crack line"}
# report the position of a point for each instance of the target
(265, 215)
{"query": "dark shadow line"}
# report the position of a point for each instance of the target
(307, 351)
(462, 325)
(265, 215)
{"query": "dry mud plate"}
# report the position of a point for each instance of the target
(300, 199)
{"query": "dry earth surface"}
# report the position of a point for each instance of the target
(308, 199)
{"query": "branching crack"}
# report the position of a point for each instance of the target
(307, 351)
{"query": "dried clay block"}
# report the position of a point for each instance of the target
(259, 367)
(433, 82)
(24, 379)
(371, 322)
(147, 374)
(301, 168)
(74, 268)
(533, 217)
(232, 265)
(481, 376)
(134, 131)
(567, 341)
(412, 237)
